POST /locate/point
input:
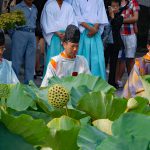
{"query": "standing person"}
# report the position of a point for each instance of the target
(67, 63)
(56, 16)
(114, 41)
(40, 42)
(91, 16)
(24, 41)
(128, 34)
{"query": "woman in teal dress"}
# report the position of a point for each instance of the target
(91, 16)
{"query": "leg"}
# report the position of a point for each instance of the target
(113, 64)
(120, 68)
(37, 65)
(129, 63)
(130, 49)
(30, 58)
(19, 42)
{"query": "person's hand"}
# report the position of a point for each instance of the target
(111, 13)
(92, 31)
(60, 35)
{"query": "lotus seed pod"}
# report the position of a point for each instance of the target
(58, 96)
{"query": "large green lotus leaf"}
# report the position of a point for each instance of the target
(91, 82)
(72, 113)
(133, 124)
(119, 143)
(77, 93)
(99, 105)
(90, 137)
(18, 99)
(10, 141)
(34, 131)
(130, 132)
(64, 132)
(35, 115)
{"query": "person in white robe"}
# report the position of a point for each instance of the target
(7, 75)
(67, 63)
(56, 16)
(91, 16)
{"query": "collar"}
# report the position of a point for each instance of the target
(23, 4)
(65, 56)
(147, 56)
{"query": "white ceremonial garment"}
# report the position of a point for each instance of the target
(54, 18)
(69, 1)
(65, 67)
(7, 75)
(91, 11)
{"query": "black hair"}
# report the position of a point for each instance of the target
(72, 34)
(2, 38)
(116, 1)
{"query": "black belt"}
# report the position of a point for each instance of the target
(31, 30)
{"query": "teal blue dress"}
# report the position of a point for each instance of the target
(54, 49)
(92, 49)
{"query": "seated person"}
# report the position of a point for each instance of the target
(68, 62)
(141, 67)
(7, 75)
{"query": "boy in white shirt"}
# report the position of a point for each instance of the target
(68, 62)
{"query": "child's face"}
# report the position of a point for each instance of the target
(1, 50)
(115, 6)
(71, 49)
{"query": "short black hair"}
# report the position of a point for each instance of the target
(116, 1)
(2, 38)
(72, 34)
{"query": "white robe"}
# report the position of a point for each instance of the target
(91, 11)
(7, 75)
(54, 19)
(65, 67)
(69, 1)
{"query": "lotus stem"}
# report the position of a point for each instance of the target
(66, 108)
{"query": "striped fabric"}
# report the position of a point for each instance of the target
(128, 29)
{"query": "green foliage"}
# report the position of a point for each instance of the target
(27, 117)
(11, 20)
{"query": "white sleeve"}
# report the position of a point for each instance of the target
(14, 79)
(50, 72)
(103, 19)
(76, 7)
(48, 21)
(86, 66)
